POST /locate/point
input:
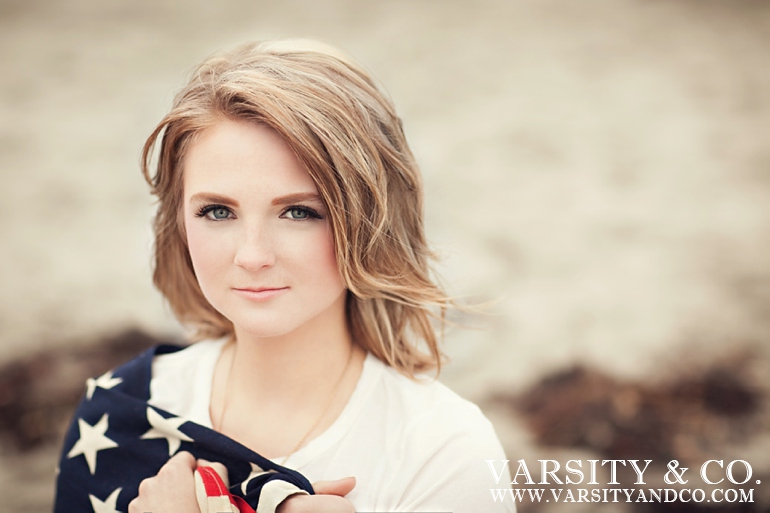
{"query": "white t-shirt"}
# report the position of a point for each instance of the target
(412, 446)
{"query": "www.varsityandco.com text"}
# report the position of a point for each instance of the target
(580, 481)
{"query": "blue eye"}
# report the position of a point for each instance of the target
(220, 213)
(300, 213)
(214, 212)
(297, 213)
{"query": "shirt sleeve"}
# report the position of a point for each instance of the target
(454, 474)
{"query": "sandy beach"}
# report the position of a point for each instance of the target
(599, 172)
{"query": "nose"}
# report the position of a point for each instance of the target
(255, 248)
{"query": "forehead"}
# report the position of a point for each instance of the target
(236, 157)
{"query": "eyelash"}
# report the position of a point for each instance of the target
(204, 211)
(311, 213)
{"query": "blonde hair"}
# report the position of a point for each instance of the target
(347, 134)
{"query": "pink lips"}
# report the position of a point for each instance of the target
(261, 294)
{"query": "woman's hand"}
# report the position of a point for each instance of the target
(172, 490)
(329, 498)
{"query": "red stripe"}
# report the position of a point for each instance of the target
(215, 487)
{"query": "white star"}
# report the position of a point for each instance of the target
(105, 381)
(256, 471)
(166, 428)
(108, 506)
(91, 441)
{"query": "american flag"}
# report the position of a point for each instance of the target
(116, 440)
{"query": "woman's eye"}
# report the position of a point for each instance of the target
(219, 213)
(300, 213)
(214, 213)
(297, 213)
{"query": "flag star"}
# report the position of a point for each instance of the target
(105, 381)
(108, 506)
(166, 428)
(256, 471)
(91, 441)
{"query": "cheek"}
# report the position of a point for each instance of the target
(326, 258)
(206, 252)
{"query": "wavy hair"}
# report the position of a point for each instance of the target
(346, 133)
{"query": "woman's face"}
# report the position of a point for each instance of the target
(258, 233)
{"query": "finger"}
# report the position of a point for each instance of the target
(180, 464)
(339, 487)
(182, 458)
(144, 485)
(218, 468)
(316, 504)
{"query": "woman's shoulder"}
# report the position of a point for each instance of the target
(430, 409)
(438, 442)
(186, 357)
(132, 377)
(181, 380)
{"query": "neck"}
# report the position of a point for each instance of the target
(274, 393)
(297, 367)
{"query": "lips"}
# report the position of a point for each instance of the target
(259, 293)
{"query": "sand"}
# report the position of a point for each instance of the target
(598, 170)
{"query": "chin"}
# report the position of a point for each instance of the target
(264, 329)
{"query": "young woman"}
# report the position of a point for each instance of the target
(289, 240)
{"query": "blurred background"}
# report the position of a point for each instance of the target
(599, 171)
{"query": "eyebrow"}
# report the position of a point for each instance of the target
(295, 198)
(212, 198)
(281, 200)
